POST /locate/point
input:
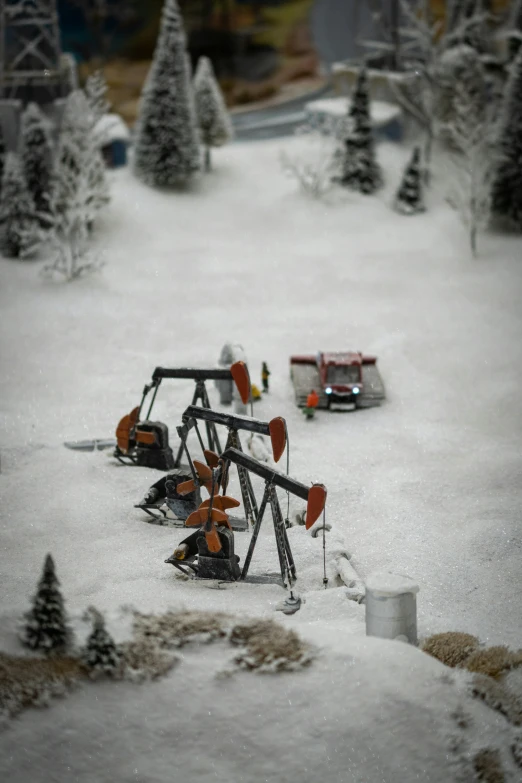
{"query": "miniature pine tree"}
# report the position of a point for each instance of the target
(360, 170)
(80, 180)
(408, 200)
(2, 156)
(17, 212)
(79, 191)
(96, 91)
(45, 626)
(101, 654)
(507, 187)
(166, 150)
(37, 157)
(515, 31)
(213, 118)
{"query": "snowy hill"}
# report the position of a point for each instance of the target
(427, 485)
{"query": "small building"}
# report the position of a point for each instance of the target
(113, 138)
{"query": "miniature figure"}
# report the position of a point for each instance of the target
(312, 401)
(265, 372)
(256, 394)
(230, 353)
(340, 379)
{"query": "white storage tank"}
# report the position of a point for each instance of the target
(391, 606)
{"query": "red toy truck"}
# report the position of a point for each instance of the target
(345, 379)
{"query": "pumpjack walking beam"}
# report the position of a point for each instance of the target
(314, 495)
(275, 429)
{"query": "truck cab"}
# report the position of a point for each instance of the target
(341, 379)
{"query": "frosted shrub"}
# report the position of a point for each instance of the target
(314, 164)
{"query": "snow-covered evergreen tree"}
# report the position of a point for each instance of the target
(3, 152)
(409, 197)
(80, 180)
(45, 627)
(101, 654)
(213, 118)
(166, 149)
(37, 157)
(360, 170)
(507, 188)
(96, 93)
(79, 191)
(17, 211)
(515, 30)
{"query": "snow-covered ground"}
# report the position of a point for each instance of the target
(428, 485)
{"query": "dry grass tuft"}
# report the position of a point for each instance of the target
(174, 629)
(145, 660)
(268, 647)
(498, 697)
(488, 766)
(451, 648)
(26, 682)
(493, 661)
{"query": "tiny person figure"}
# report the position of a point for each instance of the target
(256, 394)
(312, 402)
(265, 372)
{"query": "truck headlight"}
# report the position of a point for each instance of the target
(328, 390)
(356, 390)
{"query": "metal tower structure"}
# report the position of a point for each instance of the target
(30, 51)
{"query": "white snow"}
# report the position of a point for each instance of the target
(426, 485)
(387, 583)
(381, 112)
(111, 127)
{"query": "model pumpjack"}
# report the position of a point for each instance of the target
(146, 442)
(210, 542)
(171, 490)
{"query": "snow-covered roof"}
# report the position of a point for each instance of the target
(111, 127)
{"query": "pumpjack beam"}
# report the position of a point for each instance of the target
(196, 374)
(232, 421)
(266, 473)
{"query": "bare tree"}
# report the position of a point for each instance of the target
(313, 165)
(470, 162)
(422, 41)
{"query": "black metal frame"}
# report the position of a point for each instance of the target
(200, 395)
(272, 479)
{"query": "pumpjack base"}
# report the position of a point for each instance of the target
(191, 569)
(158, 516)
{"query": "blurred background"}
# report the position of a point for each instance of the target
(262, 50)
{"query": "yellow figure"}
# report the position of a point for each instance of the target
(256, 394)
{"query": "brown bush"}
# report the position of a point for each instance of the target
(174, 629)
(451, 648)
(491, 661)
(144, 660)
(26, 682)
(488, 766)
(269, 647)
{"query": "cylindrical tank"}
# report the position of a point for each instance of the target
(391, 606)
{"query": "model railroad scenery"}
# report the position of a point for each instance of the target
(260, 403)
